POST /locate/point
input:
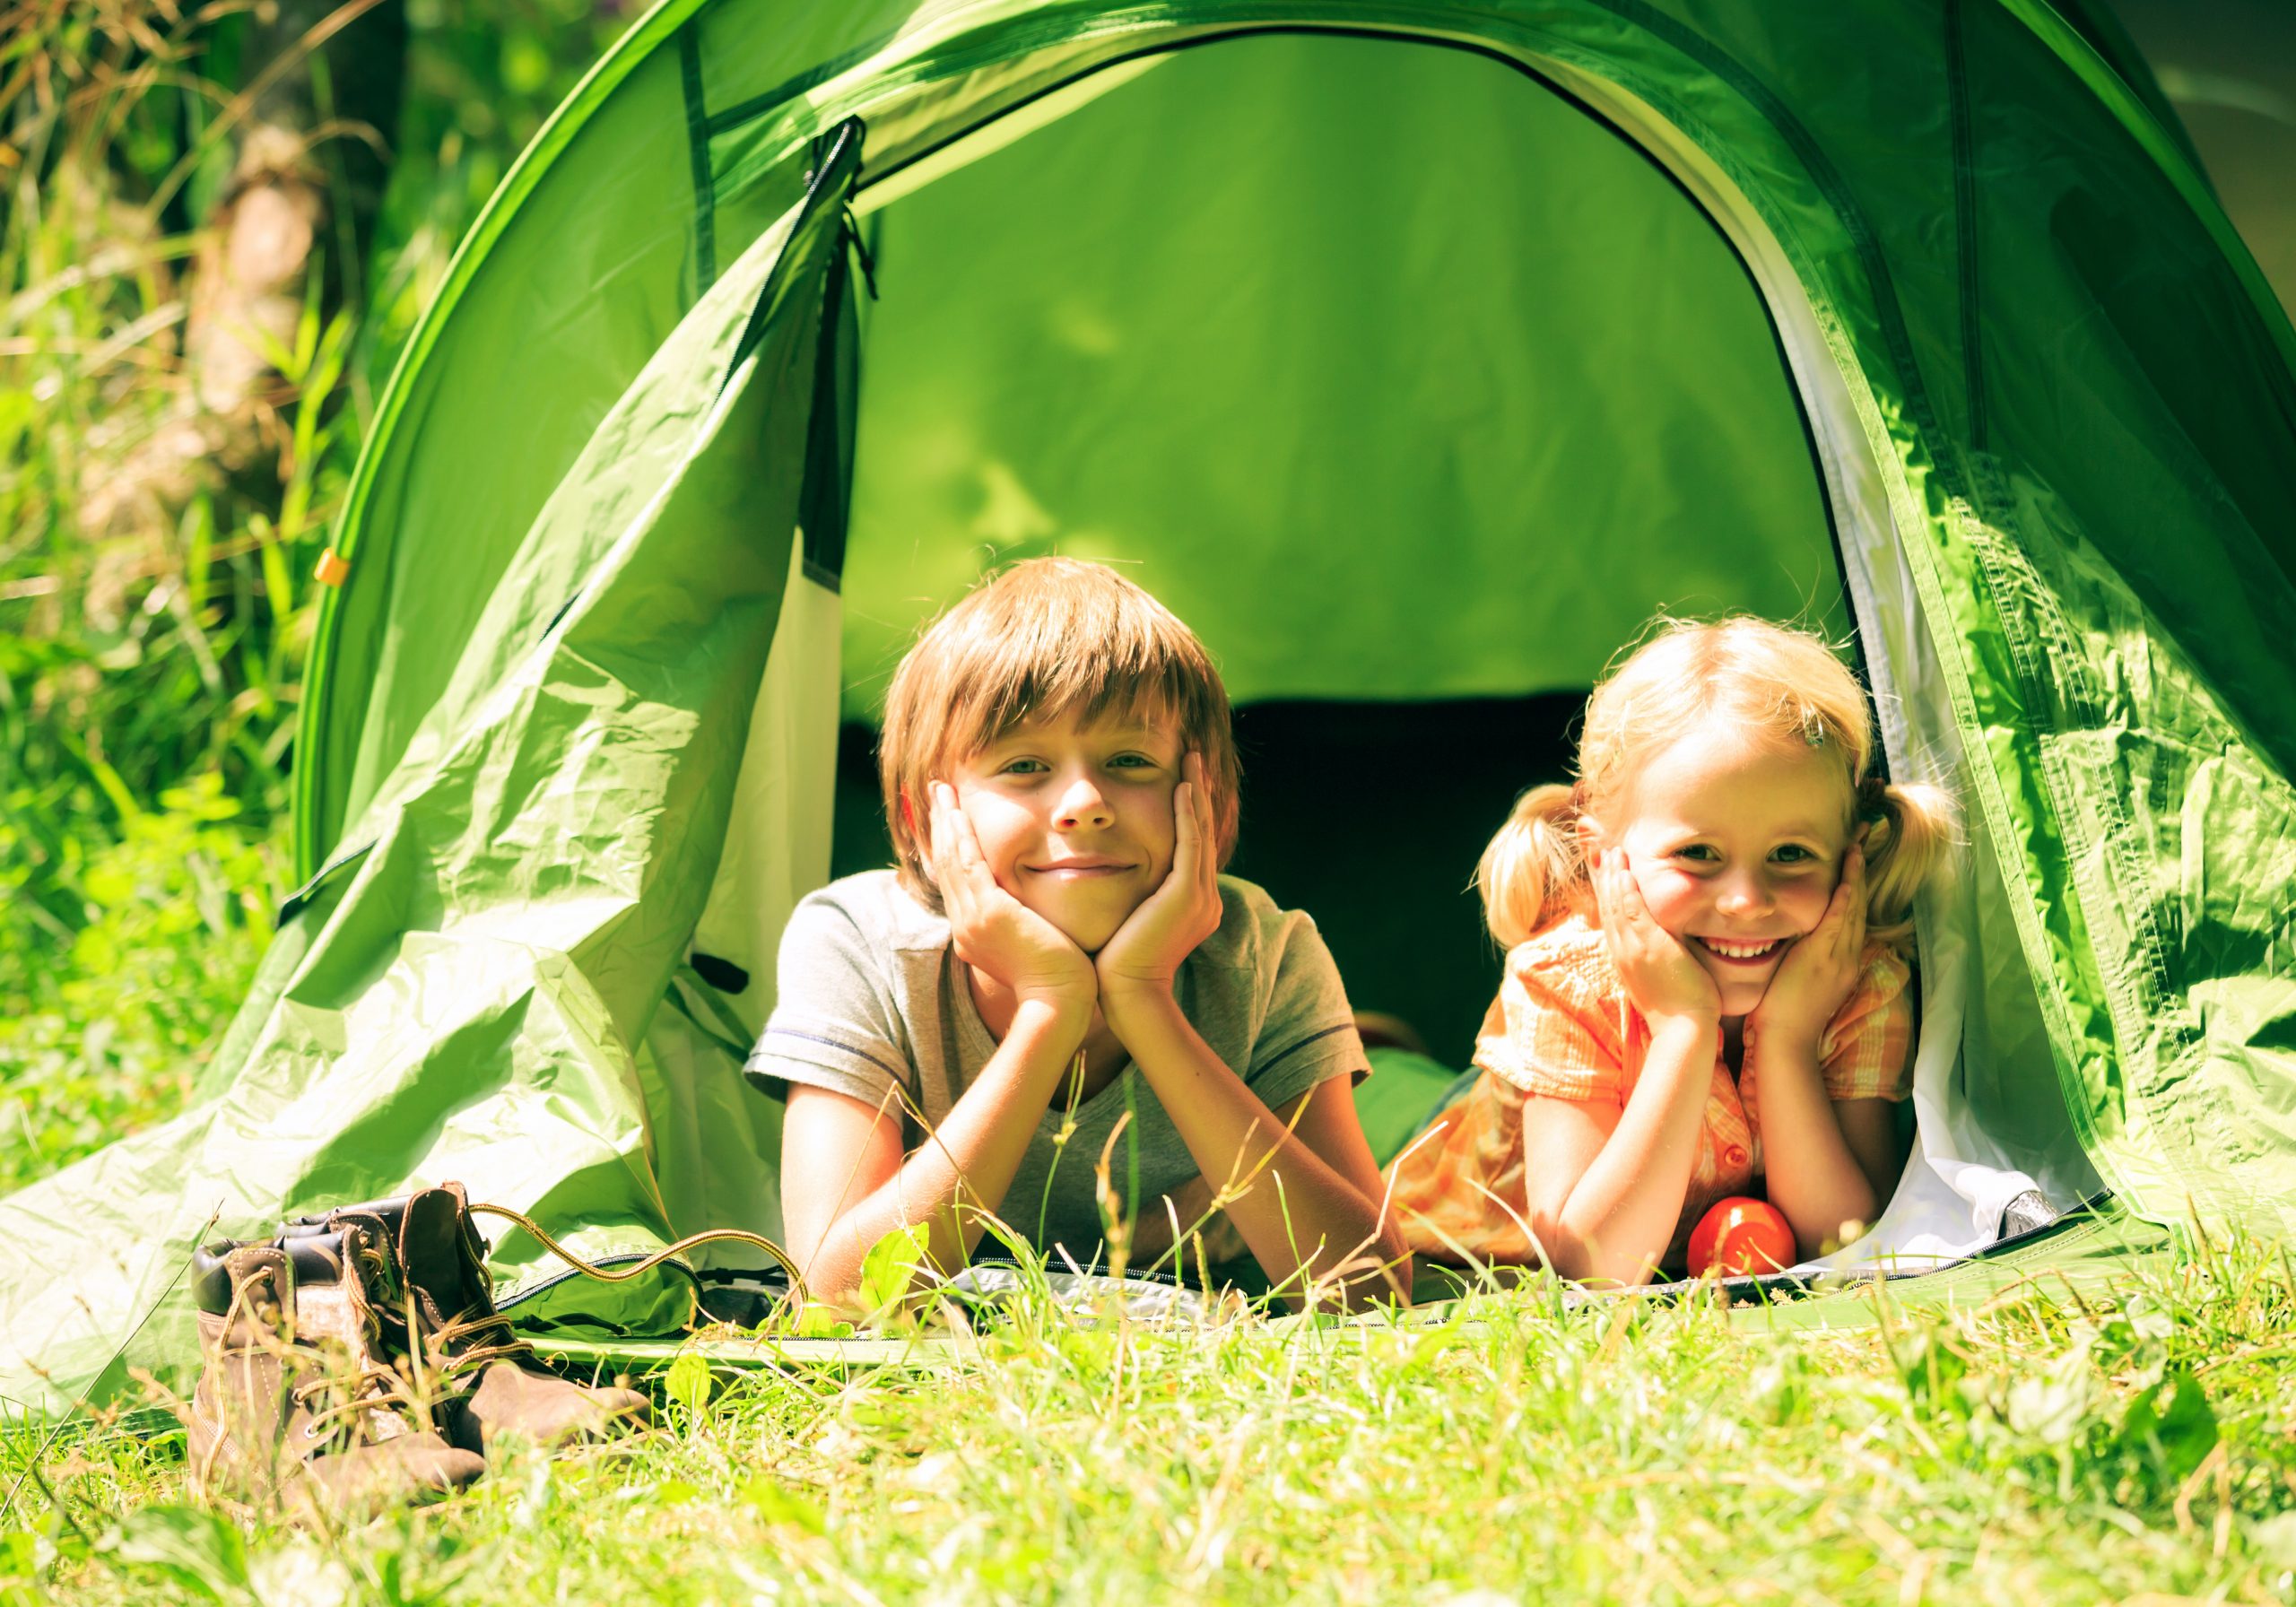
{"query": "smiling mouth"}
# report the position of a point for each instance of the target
(1083, 868)
(1741, 953)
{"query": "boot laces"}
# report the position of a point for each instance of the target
(366, 1388)
(623, 1274)
(494, 1341)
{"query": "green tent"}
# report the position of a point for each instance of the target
(1415, 353)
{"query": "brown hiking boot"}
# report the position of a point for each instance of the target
(296, 1412)
(458, 1336)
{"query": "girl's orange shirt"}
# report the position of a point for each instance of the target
(1563, 1028)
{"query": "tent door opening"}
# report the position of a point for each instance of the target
(1415, 386)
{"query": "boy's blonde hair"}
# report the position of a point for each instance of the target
(1780, 685)
(1033, 642)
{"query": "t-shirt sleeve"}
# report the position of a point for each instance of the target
(1864, 1055)
(1556, 1034)
(1307, 1036)
(834, 1024)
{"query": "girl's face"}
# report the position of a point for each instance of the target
(1736, 844)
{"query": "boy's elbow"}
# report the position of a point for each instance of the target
(1378, 1277)
(837, 1282)
(833, 1272)
(1377, 1272)
(1391, 1277)
(831, 1280)
(1387, 1277)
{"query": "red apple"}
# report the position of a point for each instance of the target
(1739, 1236)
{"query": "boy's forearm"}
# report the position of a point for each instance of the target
(1622, 1214)
(966, 1165)
(1301, 1218)
(1811, 1173)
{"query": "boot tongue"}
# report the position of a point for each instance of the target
(429, 1243)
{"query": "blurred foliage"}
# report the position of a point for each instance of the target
(105, 1034)
(152, 648)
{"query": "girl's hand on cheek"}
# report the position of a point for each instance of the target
(1147, 952)
(990, 929)
(1662, 976)
(1819, 970)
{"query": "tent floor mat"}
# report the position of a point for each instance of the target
(2086, 1256)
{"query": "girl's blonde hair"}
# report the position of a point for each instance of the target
(1774, 683)
(1033, 642)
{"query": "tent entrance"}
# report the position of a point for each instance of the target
(1410, 385)
(1318, 332)
(1416, 389)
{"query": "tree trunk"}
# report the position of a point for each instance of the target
(308, 163)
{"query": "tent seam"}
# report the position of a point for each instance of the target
(1965, 217)
(697, 134)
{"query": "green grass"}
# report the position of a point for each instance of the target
(2049, 1447)
(2045, 1448)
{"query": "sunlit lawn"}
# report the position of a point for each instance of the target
(2045, 1448)
(2051, 1446)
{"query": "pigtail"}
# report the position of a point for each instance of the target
(1528, 874)
(1910, 833)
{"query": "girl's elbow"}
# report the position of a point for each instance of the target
(1557, 1244)
(1580, 1254)
(1830, 1224)
(1618, 1271)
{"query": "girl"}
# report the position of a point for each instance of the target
(1706, 983)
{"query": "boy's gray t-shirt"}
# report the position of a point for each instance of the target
(874, 1004)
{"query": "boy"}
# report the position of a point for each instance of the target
(1057, 949)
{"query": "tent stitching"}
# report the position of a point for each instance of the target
(697, 134)
(1957, 88)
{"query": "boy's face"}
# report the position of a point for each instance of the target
(1075, 821)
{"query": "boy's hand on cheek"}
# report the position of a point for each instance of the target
(994, 931)
(1142, 958)
(1819, 970)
